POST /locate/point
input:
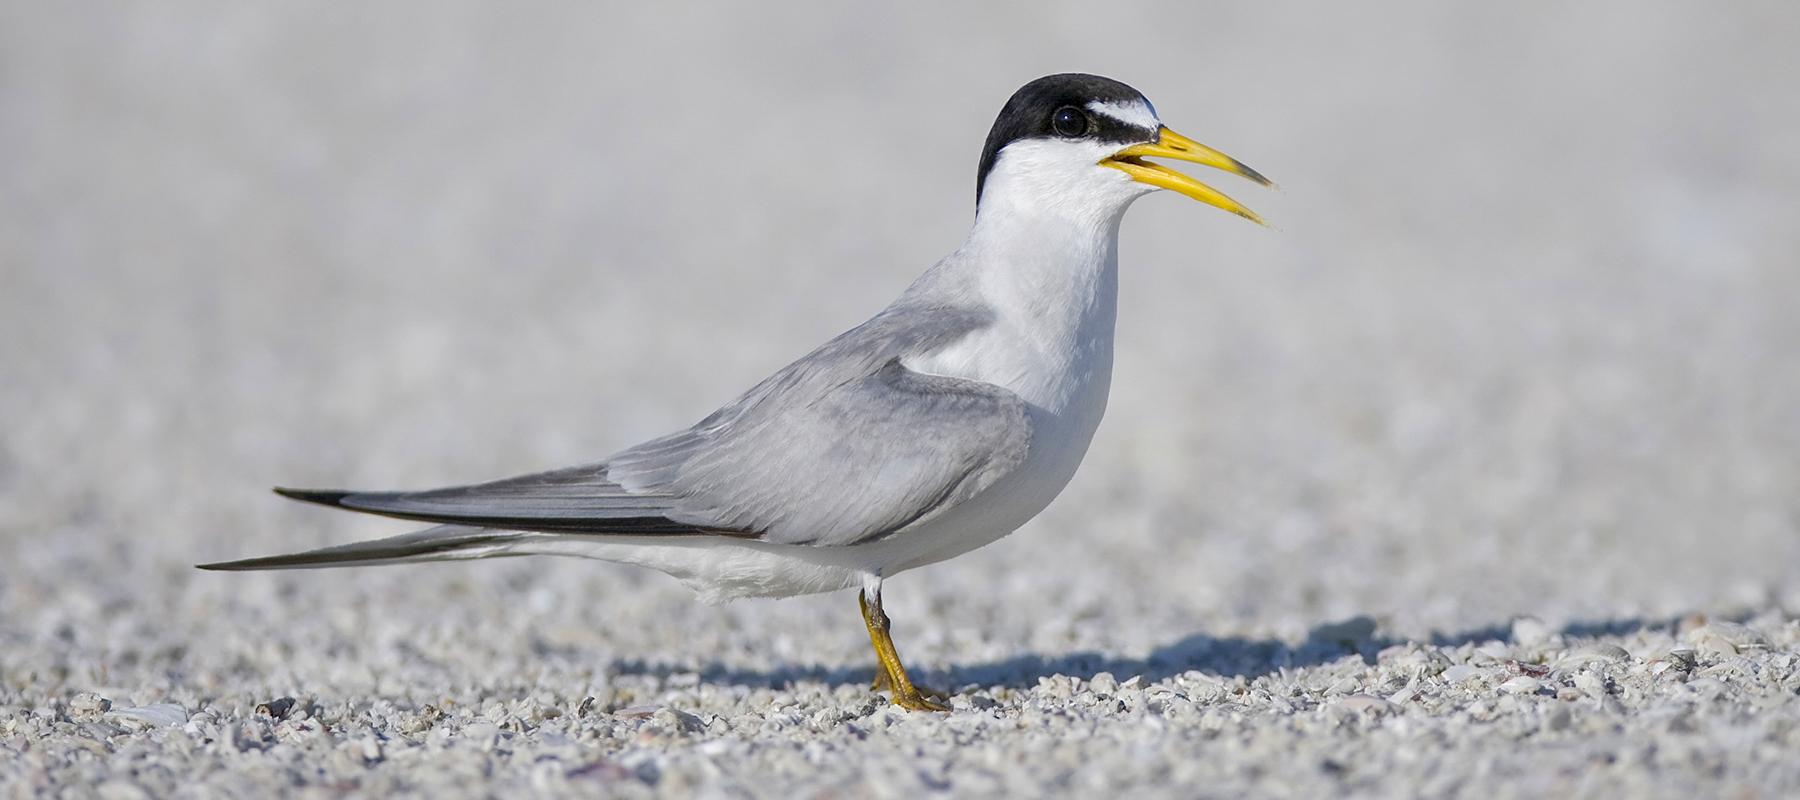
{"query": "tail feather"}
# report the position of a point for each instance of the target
(324, 497)
(442, 543)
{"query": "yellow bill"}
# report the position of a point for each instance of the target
(1170, 144)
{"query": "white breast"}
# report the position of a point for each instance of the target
(1052, 345)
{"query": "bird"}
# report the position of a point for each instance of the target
(943, 423)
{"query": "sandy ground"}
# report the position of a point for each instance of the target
(1480, 476)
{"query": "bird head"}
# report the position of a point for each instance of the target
(1081, 143)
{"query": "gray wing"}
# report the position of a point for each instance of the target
(842, 446)
(861, 459)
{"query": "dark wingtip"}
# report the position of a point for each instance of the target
(324, 497)
(228, 566)
(248, 564)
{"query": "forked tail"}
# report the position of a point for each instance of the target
(442, 543)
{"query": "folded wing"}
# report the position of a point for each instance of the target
(864, 458)
(843, 446)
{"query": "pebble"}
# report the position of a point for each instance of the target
(1523, 684)
(1460, 672)
(162, 715)
(88, 706)
(1366, 703)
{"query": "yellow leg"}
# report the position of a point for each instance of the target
(906, 695)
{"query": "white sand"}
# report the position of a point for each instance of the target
(1481, 476)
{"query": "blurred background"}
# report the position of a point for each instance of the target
(1525, 340)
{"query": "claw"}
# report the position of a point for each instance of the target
(917, 701)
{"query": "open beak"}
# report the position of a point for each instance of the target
(1170, 144)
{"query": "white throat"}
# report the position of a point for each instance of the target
(1052, 283)
(1043, 256)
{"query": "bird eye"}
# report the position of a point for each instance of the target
(1069, 121)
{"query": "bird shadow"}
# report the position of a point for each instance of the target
(1228, 657)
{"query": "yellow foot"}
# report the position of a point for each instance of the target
(917, 700)
(892, 675)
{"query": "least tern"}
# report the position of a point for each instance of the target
(943, 423)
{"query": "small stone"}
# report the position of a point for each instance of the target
(88, 707)
(1590, 684)
(1365, 703)
(1708, 642)
(482, 735)
(1717, 640)
(1595, 653)
(1608, 651)
(1056, 687)
(278, 708)
(677, 720)
(1740, 636)
(1526, 668)
(155, 715)
(1524, 684)
(1460, 672)
(1104, 683)
(100, 731)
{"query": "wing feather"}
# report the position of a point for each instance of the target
(863, 459)
(570, 500)
(843, 446)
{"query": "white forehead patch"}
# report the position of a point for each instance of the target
(1137, 114)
